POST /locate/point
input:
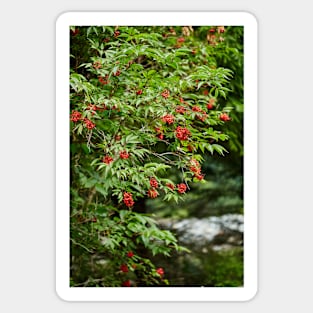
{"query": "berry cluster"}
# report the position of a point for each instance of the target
(160, 271)
(97, 65)
(159, 133)
(154, 183)
(180, 109)
(103, 80)
(76, 116)
(89, 124)
(124, 268)
(128, 199)
(202, 114)
(168, 118)
(181, 188)
(130, 254)
(124, 155)
(107, 159)
(165, 94)
(211, 103)
(224, 117)
(211, 37)
(152, 193)
(196, 109)
(182, 133)
(196, 169)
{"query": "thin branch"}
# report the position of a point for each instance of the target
(79, 244)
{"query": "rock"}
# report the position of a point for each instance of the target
(220, 232)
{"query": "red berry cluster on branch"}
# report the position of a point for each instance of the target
(211, 103)
(107, 159)
(181, 188)
(128, 199)
(168, 118)
(103, 80)
(182, 133)
(159, 133)
(89, 124)
(97, 65)
(196, 169)
(76, 116)
(124, 155)
(180, 109)
(224, 117)
(154, 183)
(152, 193)
(165, 94)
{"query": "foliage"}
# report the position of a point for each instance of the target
(209, 268)
(143, 101)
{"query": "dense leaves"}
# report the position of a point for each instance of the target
(143, 101)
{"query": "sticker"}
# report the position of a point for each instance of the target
(156, 156)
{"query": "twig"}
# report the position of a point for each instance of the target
(79, 244)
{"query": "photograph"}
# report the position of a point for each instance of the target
(156, 153)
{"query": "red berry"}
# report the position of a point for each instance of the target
(103, 81)
(76, 116)
(124, 155)
(209, 106)
(128, 199)
(181, 188)
(139, 92)
(201, 117)
(165, 94)
(191, 148)
(168, 118)
(199, 176)
(180, 109)
(182, 133)
(196, 109)
(220, 29)
(124, 268)
(130, 254)
(160, 271)
(154, 183)
(152, 193)
(97, 65)
(126, 283)
(224, 117)
(89, 124)
(75, 31)
(107, 159)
